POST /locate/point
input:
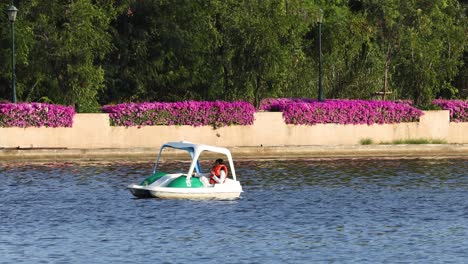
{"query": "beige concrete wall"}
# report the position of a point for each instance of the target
(92, 131)
(458, 133)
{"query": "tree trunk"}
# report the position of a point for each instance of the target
(258, 84)
(387, 65)
(385, 83)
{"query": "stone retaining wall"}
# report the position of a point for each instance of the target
(92, 131)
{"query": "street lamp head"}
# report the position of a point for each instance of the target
(320, 16)
(12, 13)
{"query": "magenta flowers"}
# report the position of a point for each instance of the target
(458, 109)
(192, 113)
(349, 112)
(36, 115)
(279, 104)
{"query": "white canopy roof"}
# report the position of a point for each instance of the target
(195, 150)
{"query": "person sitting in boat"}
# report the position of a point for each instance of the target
(217, 174)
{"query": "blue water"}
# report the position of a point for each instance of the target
(331, 211)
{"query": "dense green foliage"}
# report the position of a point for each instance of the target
(88, 53)
(59, 48)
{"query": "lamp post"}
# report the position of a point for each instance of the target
(12, 17)
(319, 20)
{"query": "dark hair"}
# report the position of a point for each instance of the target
(220, 161)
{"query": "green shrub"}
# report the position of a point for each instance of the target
(366, 141)
(415, 141)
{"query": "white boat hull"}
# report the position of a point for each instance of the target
(195, 196)
(193, 184)
(229, 190)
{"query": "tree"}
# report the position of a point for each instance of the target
(23, 40)
(260, 46)
(423, 43)
(64, 42)
(352, 59)
(93, 52)
(163, 52)
(200, 50)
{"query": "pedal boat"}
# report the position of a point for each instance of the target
(188, 185)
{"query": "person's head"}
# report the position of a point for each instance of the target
(219, 161)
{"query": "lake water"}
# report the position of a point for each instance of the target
(306, 211)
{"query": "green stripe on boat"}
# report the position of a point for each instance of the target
(181, 183)
(153, 178)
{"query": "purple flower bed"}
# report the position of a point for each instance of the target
(36, 115)
(458, 109)
(350, 112)
(279, 104)
(193, 113)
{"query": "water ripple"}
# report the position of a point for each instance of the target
(303, 211)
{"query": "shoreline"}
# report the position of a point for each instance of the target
(427, 151)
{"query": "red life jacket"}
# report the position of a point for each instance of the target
(216, 171)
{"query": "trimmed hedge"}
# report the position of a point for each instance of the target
(192, 113)
(349, 112)
(458, 109)
(35, 115)
(279, 104)
(218, 114)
